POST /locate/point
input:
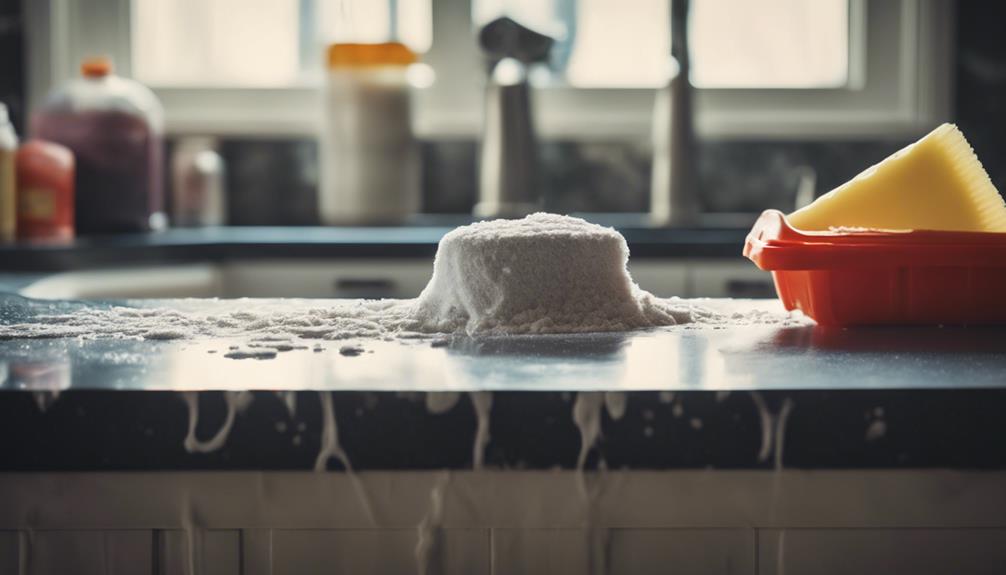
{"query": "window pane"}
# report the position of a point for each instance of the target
(406, 21)
(620, 43)
(544, 16)
(215, 42)
(249, 43)
(734, 43)
(769, 43)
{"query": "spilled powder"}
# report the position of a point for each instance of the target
(542, 274)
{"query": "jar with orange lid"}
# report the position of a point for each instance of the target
(114, 127)
(369, 157)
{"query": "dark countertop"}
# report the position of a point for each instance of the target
(693, 397)
(715, 240)
(853, 429)
(751, 356)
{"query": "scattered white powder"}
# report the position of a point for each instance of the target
(251, 354)
(860, 230)
(351, 350)
(263, 322)
(541, 274)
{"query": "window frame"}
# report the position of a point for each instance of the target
(905, 103)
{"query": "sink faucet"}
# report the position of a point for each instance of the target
(508, 161)
(673, 200)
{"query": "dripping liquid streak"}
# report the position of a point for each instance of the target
(427, 552)
(616, 402)
(330, 448)
(329, 436)
(25, 543)
(765, 419)
(45, 399)
(193, 537)
(482, 403)
(289, 399)
(780, 432)
(780, 443)
(438, 402)
(236, 400)
(587, 417)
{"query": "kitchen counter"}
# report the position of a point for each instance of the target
(685, 396)
(412, 241)
(679, 358)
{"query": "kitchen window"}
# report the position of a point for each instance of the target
(776, 68)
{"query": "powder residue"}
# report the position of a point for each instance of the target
(541, 274)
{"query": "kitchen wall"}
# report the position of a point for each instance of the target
(274, 181)
(12, 78)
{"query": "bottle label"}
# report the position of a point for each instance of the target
(37, 204)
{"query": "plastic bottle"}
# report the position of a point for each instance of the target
(8, 182)
(198, 177)
(45, 176)
(368, 155)
(114, 127)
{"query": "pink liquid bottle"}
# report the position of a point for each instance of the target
(114, 126)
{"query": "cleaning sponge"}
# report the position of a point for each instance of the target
(936, 183)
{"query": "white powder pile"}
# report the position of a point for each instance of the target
(542, 274)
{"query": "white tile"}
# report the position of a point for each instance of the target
(623, 551)
(859, 551)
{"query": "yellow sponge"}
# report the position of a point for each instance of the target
(936, 183)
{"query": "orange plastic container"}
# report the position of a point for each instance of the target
(883, 277)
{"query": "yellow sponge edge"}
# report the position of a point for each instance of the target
(936, 183)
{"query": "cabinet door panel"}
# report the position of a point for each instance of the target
(857, 551)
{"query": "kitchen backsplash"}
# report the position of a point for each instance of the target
(275, 181)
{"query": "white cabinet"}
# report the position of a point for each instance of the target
(638, 522)
(920, 551)
(351, 551)
(624, 551)
(214, 552)
(116, 552)
(728, 278)
(9, 554)
(365, 278)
